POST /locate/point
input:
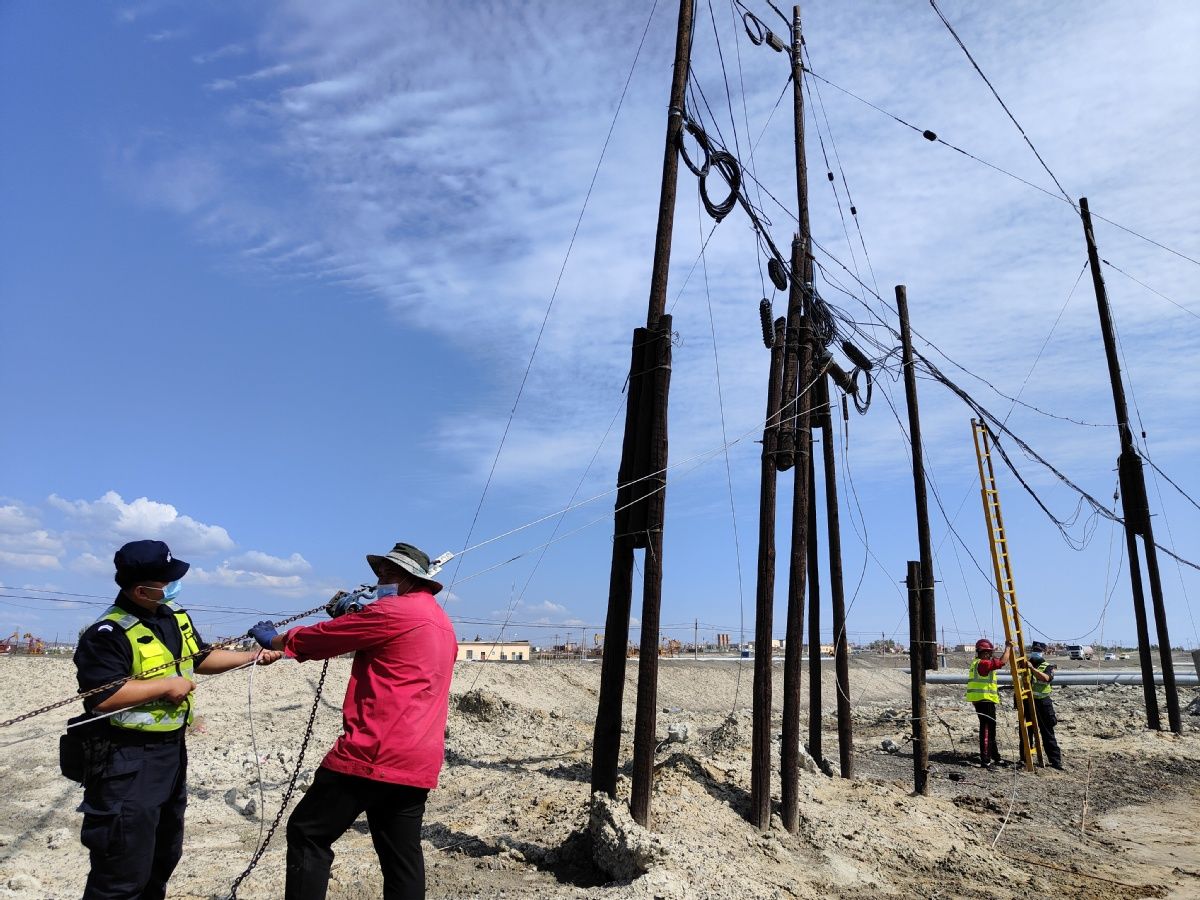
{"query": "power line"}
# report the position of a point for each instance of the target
(1151, 290)
(1000, 100)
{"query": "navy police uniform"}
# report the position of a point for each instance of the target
(135, 789)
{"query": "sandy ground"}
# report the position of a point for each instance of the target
(1121, 822)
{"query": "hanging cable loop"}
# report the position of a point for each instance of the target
(725, 164)
(862, 400)
(701, 141)
(759, 32)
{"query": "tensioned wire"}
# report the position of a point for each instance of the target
(553, 296)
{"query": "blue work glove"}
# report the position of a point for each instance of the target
(264, 632)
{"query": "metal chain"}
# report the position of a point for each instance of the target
(287, 793)
(120, 681)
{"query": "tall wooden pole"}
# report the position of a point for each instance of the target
(928, 640)
(789, 752)
(799, 349)
(920, 730)
(1136, 506)
(815, 710)
(833, 538)
(760, 758)
(638, 441)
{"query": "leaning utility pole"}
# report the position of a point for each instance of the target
(928, 636)
(1135, 504)
(799, 344)
(641, 491)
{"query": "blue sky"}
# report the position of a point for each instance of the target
(272, 274)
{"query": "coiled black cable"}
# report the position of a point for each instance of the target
(726, 165)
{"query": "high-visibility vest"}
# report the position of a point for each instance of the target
(150, 653)
(981, 687)
(1041, 689)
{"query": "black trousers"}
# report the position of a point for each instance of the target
(330, 806)
(1046, 720)
(133, 821)
(988, 751)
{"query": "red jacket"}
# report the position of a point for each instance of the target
(394, 713)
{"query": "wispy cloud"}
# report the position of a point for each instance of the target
(223, 52)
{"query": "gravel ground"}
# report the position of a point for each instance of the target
(510, 818)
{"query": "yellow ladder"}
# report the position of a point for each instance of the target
(1031, 741)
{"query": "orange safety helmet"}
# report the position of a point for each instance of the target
(983, 644)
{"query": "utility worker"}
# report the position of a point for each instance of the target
(1042, 675)
(393, 719)
(985, 696)
(135, 789)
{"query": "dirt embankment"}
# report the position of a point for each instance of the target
(509, 817)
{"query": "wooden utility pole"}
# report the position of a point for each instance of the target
(641, 490)
(799, 376)
(815, 710)
(920, 730)
(928, 639)
(833, 537)
(760, 758)
(789, 751)
(1135, 504)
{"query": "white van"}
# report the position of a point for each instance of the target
(1080, 651)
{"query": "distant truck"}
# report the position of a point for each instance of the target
(1080, 651)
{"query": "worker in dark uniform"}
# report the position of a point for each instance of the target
(135, 787)
(1042, 675)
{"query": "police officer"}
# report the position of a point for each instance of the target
(1043, 675)
(135, 787)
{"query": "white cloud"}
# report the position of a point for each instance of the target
(110, 517)
(38, 549)
(17, 518)
(26, 560)
(227, 576)
(91, 564)
(257, 561)
(165, 34)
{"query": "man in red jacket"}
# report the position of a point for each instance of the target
(393, 718)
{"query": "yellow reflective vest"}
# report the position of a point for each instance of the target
(1041, 689)
(982, 687)
(148, 654)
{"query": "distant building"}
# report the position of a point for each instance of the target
(827, 649)
(493, 651)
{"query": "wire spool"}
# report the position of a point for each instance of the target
(768, 326)
(778, 273)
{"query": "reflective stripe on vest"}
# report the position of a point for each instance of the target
(1041, 689)
(150, 653)
(981, 687)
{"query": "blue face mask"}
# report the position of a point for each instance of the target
(171, 591)
(1036, 658)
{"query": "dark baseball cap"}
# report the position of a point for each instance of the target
(140, 561)
(1037, 647)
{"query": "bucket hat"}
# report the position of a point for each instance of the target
(412, 560)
